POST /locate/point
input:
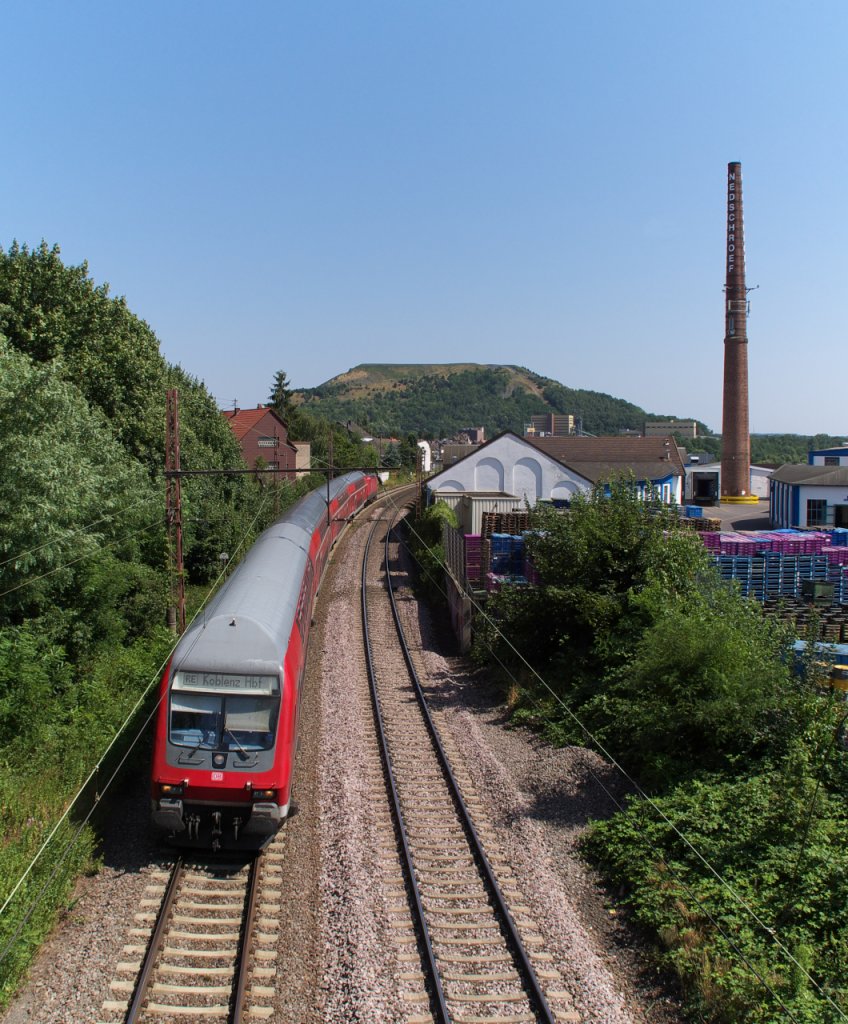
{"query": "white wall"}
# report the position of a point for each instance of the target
(760, 477)
(832, 495)
(511, 465)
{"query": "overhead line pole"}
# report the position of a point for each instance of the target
(174, 511)
(173, 502)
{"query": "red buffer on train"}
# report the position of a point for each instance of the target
(229, 699)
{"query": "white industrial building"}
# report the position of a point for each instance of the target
(508, 465)
(557, 468)
(810, 496)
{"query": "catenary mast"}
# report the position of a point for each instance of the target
(735, 435)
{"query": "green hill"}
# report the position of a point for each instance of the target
(439, 399)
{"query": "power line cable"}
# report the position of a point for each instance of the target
(79, 558)
(644, 796)
(74, 533)
(74, 839)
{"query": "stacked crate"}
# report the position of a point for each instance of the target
(473, 559)
(507, 554)
(773, 574)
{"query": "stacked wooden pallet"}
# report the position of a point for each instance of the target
(505, 522)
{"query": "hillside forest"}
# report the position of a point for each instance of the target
(436, 401)
(83, 554)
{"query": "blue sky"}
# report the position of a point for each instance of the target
(311, 185)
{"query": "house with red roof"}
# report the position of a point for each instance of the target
(263, 435)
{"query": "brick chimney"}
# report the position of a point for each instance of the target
(735, 435)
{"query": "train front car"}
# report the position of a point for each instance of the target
(229, 699)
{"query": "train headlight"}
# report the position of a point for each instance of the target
(171, 789)
(219, 760)
(263, 794)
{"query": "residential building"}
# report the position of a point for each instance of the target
(262, 434)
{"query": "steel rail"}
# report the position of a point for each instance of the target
(531, 981)
(154, 945)
(437, 997)
(242, 976)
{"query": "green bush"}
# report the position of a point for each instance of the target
(645, 651)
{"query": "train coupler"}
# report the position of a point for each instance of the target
(216, 831)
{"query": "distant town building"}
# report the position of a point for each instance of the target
(829, 456)
(304, 454)
(476, 435)
(425, 455)
(261, 434)
(452, 453)
(550, 424)
(662, 428)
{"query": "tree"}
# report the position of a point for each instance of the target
(391, 456)
(67, 488)
(56, 315)
(280, 397)
(409, 452)
(594, 562)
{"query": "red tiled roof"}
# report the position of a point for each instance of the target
(243, 420)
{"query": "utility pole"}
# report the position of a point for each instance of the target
(329, 471)
(276, 475)
(174, 513)
(419, 472)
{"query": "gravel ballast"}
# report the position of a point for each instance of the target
(336, 959)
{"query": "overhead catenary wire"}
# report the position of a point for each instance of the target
(651, 803)
(60, 538)
(93, 773)
(73, 561)
(677, 878)
(247, 533)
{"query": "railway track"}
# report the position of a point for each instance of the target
(205, 945)
(481, 960)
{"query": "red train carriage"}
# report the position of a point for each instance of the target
(229, 699)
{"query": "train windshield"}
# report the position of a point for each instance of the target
(210, 721)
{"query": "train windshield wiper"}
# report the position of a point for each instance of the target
(194, 750)
(229, 732)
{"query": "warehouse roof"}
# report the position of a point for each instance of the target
(821, 476)
(647, 458)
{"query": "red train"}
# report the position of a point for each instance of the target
(229, 699)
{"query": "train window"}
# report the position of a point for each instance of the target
(194, 719)
(250, 723)
(210, 722)
(303, 603)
